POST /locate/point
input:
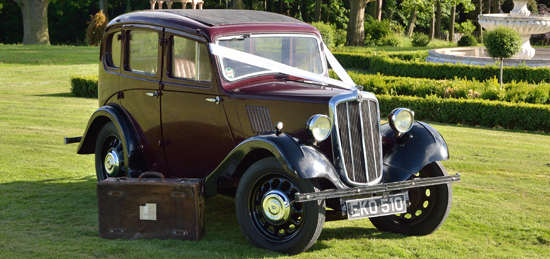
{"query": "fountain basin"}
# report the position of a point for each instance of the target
(533, 24)
(478, 56)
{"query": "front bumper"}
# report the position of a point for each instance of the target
(377, 189)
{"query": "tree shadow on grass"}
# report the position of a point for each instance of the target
(67, 94)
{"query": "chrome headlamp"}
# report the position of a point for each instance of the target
(319, 127)
(401, 120)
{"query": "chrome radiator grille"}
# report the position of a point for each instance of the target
(358, 140)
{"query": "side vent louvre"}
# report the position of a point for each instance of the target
(259, 119)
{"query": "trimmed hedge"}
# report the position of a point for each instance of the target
(84, 86)
(362, 60)
(456, 88)
(524, 116)
(396, 67)
(521, 116)
(411, 64)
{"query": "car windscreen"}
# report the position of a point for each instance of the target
(297, 51)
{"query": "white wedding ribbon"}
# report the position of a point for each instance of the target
(250, 59)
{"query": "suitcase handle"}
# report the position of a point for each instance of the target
(158, 175)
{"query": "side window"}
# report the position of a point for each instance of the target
(143, 52)
(113, 50)
(189, 60)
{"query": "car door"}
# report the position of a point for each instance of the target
(139, 89)
(196, 133)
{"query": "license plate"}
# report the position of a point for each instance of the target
(378, 206)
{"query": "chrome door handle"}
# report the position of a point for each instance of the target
(216, 100)
(155, 94)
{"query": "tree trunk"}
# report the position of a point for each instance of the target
(432, 24)
(318, 4)
(410, 26)
(438, 20)
(281, 6)
(237, 4)
(501, 68)
(479, 28)
(35, 21)
(104, 5)
(488, 9)
(496, 6)
(452, 26)
(379, 10)
(356, 30)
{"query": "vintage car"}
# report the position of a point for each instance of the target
(243, 100)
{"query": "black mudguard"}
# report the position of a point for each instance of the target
(295, 156)
(406, 155)
(132, 147)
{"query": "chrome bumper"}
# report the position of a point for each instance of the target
(377, 189)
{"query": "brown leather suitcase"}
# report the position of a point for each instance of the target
(137, 208)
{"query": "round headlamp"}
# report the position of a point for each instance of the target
(319, 127)
(401, 120)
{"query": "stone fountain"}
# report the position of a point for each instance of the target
(519, 19)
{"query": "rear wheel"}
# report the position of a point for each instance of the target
(429, 207)
(109, 153)
(267, 214)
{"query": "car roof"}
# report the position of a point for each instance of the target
(215, 17)
(212, 23)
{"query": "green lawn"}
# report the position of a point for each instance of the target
(48, 202)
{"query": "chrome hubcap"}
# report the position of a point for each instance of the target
(112, 162)
(276, 207)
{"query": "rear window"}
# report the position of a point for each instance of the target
(113, 50)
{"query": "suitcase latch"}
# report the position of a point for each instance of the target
(178, 195)
(116, 230)
(179, 232)
(116, 193)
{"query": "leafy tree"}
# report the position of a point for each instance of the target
(501, 43)
(415, 9)
(467, 6)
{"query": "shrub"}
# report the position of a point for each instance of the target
(84, 86)
(420, 39)
(466, 27)
(340, 37)
(376, 30)
(96, 26)
(467, 40)
(327, 32)
(390, 40)
(502, 42)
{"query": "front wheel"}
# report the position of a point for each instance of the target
(428, 209)
(267, 213)
(109, 153)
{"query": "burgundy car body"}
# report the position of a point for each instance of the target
(183, 112)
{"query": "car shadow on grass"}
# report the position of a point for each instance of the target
(357, 232)
(67, 208)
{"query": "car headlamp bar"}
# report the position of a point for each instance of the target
(249, 59)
